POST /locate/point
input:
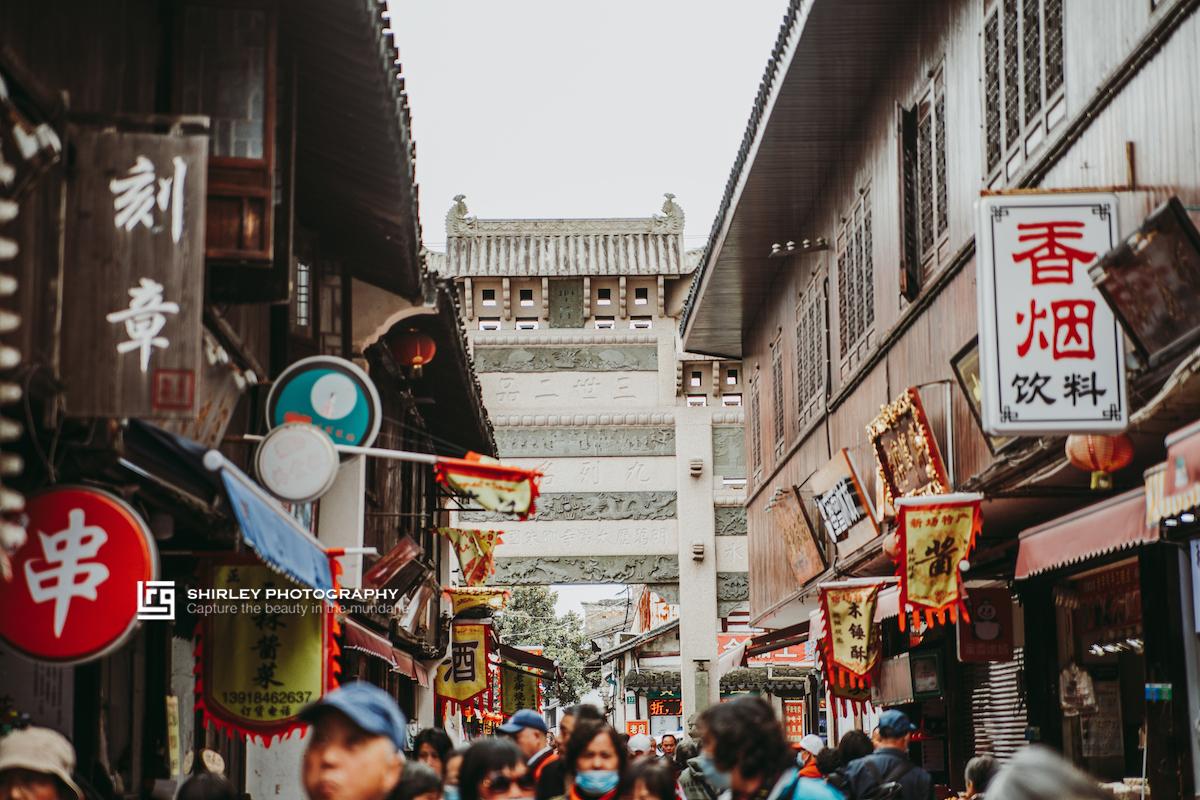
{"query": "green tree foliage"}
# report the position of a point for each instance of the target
(530, 620)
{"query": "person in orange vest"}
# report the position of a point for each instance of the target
(528, 729)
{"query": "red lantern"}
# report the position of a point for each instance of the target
(1100, 454)
(413, 348)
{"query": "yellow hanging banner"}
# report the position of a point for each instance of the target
(518, 689)
(936, 536)
(464, 675)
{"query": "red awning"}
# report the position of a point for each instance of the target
(1173, 487)
(356, 637)
(1118, 523)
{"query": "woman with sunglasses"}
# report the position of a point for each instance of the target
(595, 762)
(494, 769)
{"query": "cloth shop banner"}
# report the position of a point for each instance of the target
(936, 536)
(1052, 357)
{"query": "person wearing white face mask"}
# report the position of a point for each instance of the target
(595, 762)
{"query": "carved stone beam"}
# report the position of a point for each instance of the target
(545, 298)
(506, 296)
(469, 297)
(716, 378)
(587, 298)
(662, 296)
(621, 292)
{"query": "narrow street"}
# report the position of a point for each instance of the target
(673, 428)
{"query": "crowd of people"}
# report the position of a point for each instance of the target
(736, 751)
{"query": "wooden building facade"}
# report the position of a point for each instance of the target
(841, 269)
(307, 242)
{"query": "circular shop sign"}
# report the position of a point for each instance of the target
(296, 462)
(331, 393)
(74, 592)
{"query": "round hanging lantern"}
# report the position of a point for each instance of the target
(413, 348)
(1101, 454)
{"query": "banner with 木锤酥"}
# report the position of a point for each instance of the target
(492, 485)
(464, 676)
(852, 643)
(466, 598)
(936, 536)
(476, 552)
(518, 689)
(265, 660)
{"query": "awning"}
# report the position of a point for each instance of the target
(1173, 487)
(360, 639)
(526, 659)
(1118, 523)
(659, 680)
(887, 604)
(777, 640)
(778, 681)
(638, 641)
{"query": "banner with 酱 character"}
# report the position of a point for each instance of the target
(259, 662)
(935, 537)
(1051, 355)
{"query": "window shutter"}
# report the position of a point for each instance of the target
(910, 257)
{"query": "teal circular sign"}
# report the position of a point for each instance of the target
(330, 393)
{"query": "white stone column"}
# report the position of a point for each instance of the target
(697, 579)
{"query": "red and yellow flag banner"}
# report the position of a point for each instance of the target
(936, 536)
(494, 486)
(850, 648)
(476, 552)
(464, 675)
(465, 598)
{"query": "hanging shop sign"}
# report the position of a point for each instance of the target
(852, 643)
(263, 662)
(296, 462)
(666, 707)
(793, 721)
(906, 451)
(79, 580)
(1052, 358)
(331, 393)
(936, 536)
(986, 634)
(518, 689)
(133, 283)
(463, 676)
(792, 655)
(489, 484)
(1148, 280)
(467, 598)
(842, 505)
(806, 557)
(476, 552)
(219, 388)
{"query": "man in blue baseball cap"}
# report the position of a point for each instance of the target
(888, 772)
(528, 730)
(356, 745)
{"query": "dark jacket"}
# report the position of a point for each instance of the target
(553, 781)
(692, 783)
(884, 765)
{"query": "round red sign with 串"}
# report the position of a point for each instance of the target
(73, 596)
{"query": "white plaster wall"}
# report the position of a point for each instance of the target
(275, 772)
(568, 392)
(588, 538)
(341, 514)
(612, 474)
(731, 554)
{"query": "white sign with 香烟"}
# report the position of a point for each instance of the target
(1052, 359)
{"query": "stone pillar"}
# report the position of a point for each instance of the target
(697, 578)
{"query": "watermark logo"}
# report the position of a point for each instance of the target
(156, 600)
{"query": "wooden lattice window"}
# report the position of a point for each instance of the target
(227, 71)
(856, 275)
(755, 430)
(1023, 77)
(926, 219)
(778, 407)
(810, 351)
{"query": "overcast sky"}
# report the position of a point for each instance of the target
(579, 108)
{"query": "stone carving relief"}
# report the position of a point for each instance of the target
(729, 520)
(571, 506)
(587, 569)
(568, 442)
(729, 451)
(457, 221)
(733, 586)
(559, 359)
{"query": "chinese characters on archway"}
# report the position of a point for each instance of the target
(1051, 356)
